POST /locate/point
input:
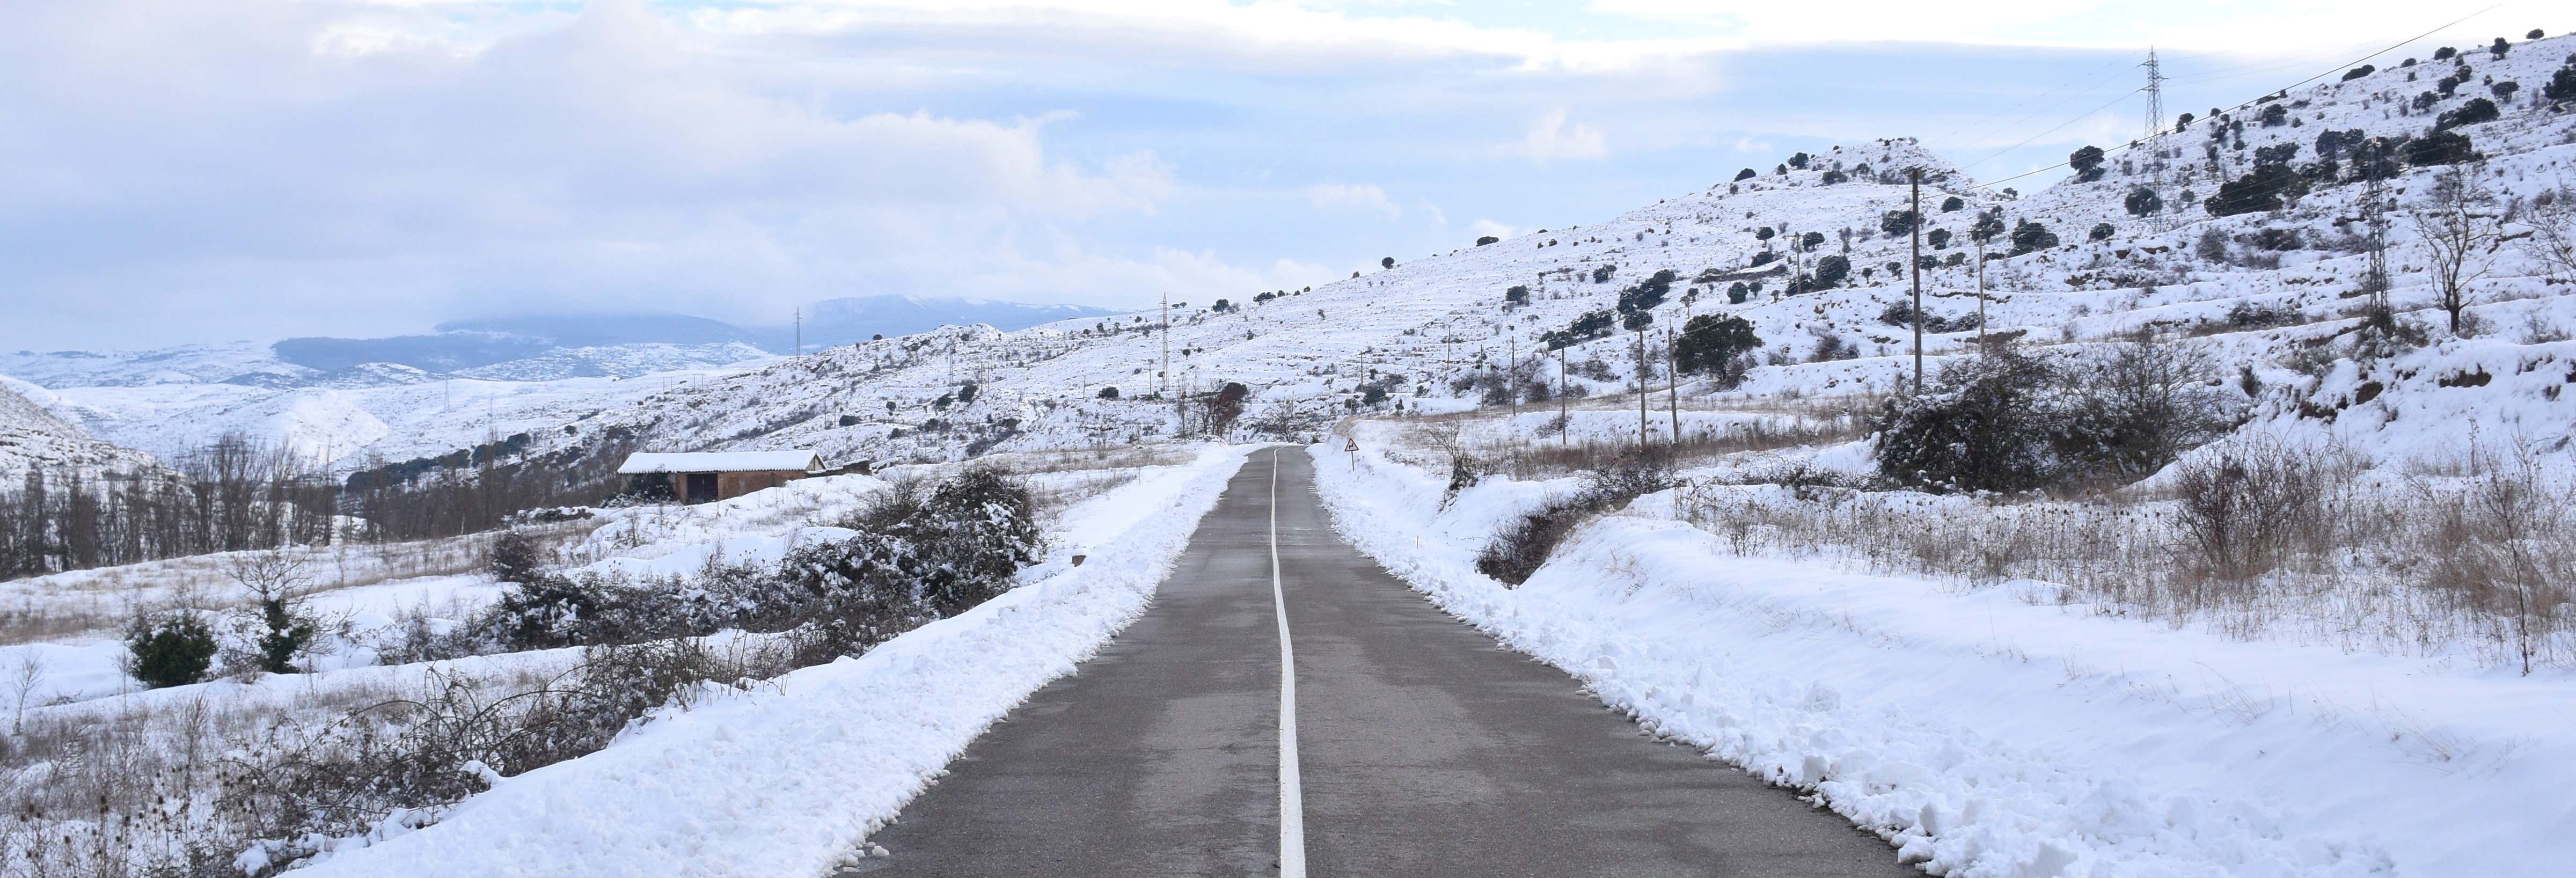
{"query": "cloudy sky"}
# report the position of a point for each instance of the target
(209, 170)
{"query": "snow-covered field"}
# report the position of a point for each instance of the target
(790, 778)
(923, 694)
(1989, 732)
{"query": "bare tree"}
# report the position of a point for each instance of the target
(2459, 235)
(24, 679)
(2553, 232)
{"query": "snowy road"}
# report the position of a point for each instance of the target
(1423, 747)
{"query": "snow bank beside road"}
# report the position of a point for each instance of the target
(789, 779)
(1985, 736)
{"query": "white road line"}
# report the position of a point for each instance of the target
(1292, 798)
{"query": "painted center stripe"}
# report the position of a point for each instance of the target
(1292, 799)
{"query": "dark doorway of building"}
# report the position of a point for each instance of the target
(702, 487)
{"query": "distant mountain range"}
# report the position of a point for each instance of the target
(537, 347)
(853, 320)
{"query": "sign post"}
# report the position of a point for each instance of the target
(1352, 447)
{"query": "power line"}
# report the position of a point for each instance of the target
(2115, 67)
(2052, 130)
(2329, 72)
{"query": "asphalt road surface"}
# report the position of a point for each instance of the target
(1420, 747)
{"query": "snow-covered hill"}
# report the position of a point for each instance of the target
(33, 437)
(1435, 320)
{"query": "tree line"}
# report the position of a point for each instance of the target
(237, 493)
(232, 494)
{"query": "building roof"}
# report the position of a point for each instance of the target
(721, 462)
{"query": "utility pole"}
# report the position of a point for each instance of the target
(1641, 388)
(1917, 174)
(1163, 375)
(1512, 375)
(1564, 425)
(1981, 291)
(1673, 370)
(800, 330)
(2155, 136)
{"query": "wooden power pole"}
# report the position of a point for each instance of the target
(1642, 366)
(1673, 371)
(1917, 175)
(1564, 425)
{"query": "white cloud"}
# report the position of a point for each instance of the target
(300, 176)
(1336, 195)
(1550, 137)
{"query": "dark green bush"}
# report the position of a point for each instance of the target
(166, 649)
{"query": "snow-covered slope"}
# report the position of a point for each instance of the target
(1433, 320)
(32, 437)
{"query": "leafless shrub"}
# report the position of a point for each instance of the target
(2246, 508)
(2505, 543)
(2552, 216)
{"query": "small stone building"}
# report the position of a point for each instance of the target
(706, 476)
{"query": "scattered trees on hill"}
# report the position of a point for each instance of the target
(2029, 236)
(1830, 271)
(1585, 327)
(2087, 163)
(1388, 262)
(1897, 223)
(2101, 232)
(1953, 203)
(2476, 110)
(2261, 189)
(1718, 346)
(2143, 201)
(1743, 175)
(2440, 148)
(1988, 225)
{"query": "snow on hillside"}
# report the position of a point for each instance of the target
(347, 425)
(34, 437)
(239, 361)
(1305, 354)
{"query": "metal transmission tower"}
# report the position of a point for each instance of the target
(2374, 209)
(2154, 140)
